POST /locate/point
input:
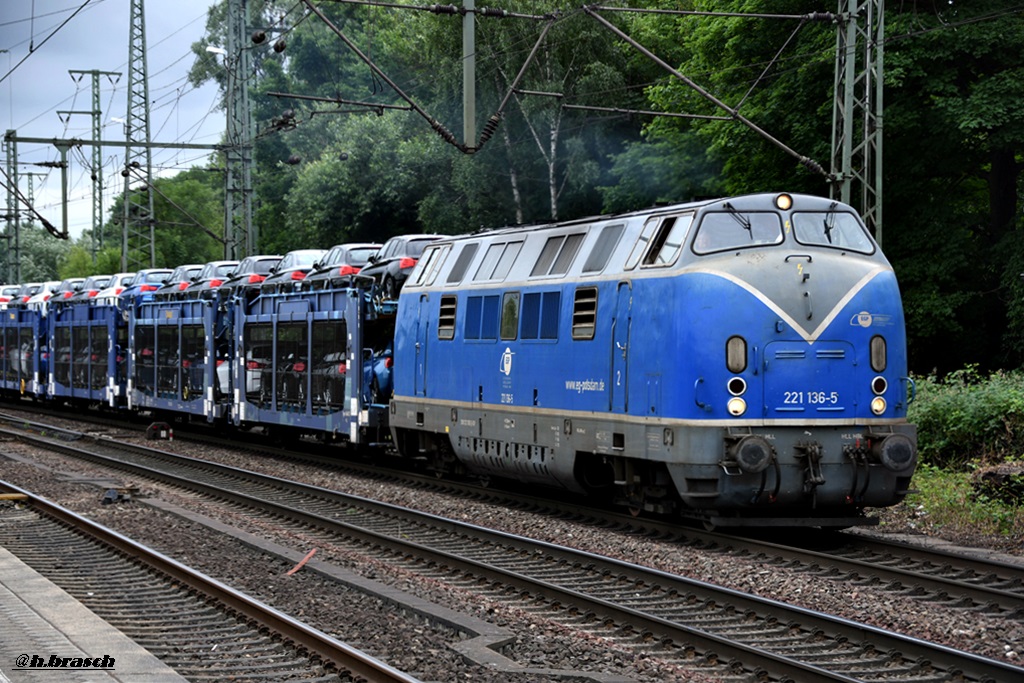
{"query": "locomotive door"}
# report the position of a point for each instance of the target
(422, 327)
(620, 348)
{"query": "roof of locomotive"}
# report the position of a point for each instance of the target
(619, 240)
(750, 202)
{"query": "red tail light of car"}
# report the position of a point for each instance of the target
(254, 365)
(348, 270)
(68, 295)
(298, 275)
(389, 362)
(182, 286)
(216, 283)
(406, 262)
(147, 288)
(255, 279)
(299, 367)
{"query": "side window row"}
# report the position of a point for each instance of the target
(512, 315)
(658, 245)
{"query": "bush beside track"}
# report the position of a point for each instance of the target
(970, 479)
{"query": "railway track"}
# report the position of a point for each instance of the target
(738, 635)
(926, 574)
(201, 628)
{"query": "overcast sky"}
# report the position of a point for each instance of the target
(38, 51)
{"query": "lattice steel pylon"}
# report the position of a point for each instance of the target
(97, 153)
(240, 236)
(12, 230)
(138, 247)
(857, 110)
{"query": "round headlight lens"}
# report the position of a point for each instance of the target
(878, 405)
(783, 202)
(737, 406)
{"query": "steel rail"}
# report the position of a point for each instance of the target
(948, 659)
(329, 650)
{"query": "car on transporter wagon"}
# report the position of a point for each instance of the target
(250, 271)
(391, 266)
(179, 279)
(342, 260)
(292, 268)
(88, 290)
(108, 295)
(210, 278)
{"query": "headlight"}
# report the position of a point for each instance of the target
(737, 406)
(878, 405)
(783, 202)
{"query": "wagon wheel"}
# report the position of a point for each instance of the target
(635, 500)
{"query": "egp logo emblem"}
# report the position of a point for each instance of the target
(505, 367)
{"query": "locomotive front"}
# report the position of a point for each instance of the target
(799, 374)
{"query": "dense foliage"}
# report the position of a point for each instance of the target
(558, 84)
(969, 418)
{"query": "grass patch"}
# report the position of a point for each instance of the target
(966, 421)
(947, 505)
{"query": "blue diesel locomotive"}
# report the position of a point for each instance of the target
(741, 361)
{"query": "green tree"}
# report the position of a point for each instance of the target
(954, 145)
(188, 211)
(42, 254)
(775, 72)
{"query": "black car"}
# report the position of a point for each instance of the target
(390, 267)
(252, 270)
(61, 293)
(341, 261)
(293, 267)
(210, 278)
(90, 288)
(179, 279)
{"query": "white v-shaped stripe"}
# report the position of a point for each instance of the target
(809, 337)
